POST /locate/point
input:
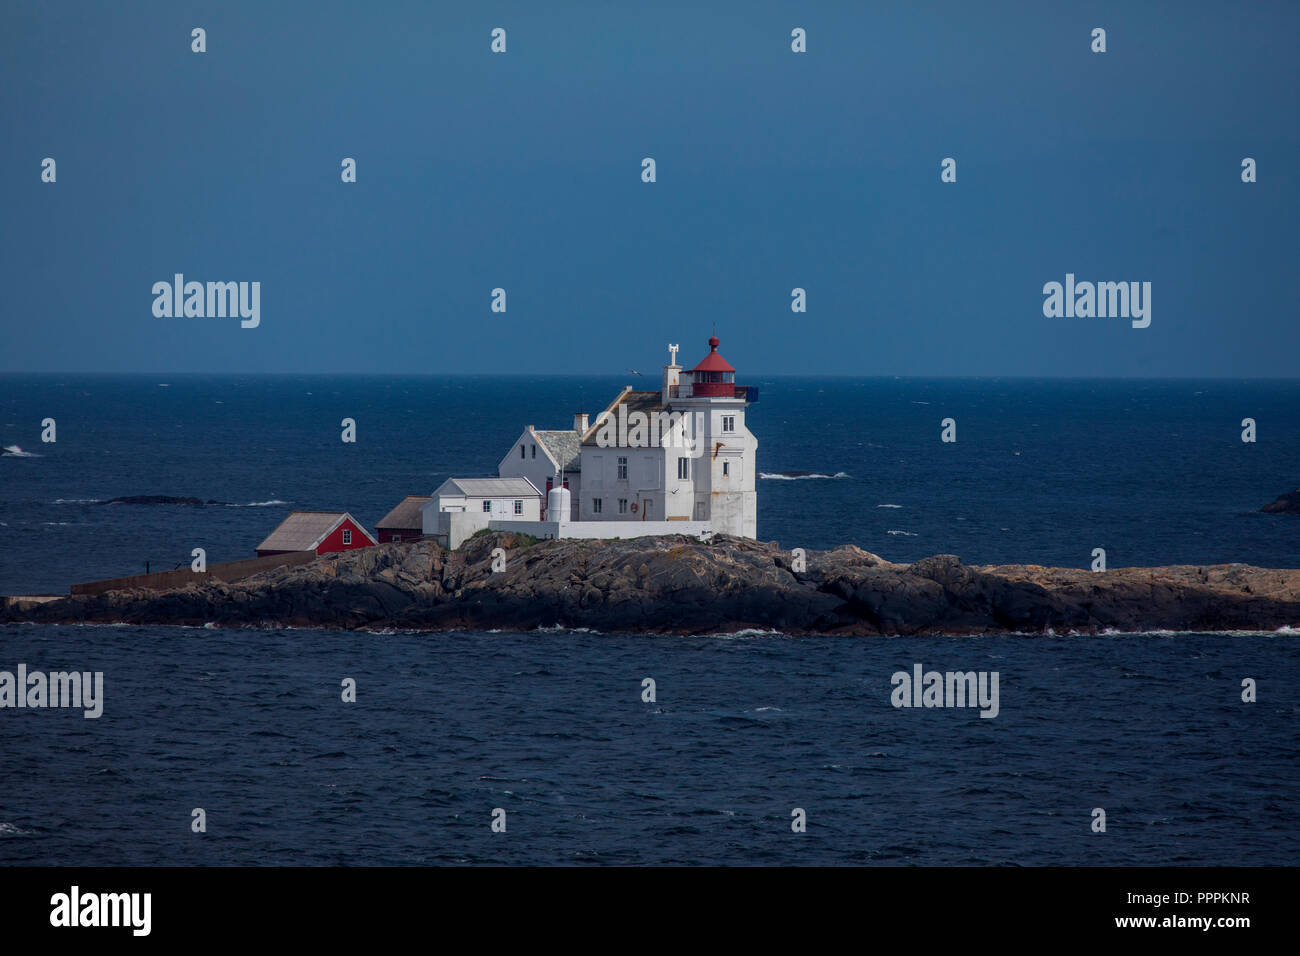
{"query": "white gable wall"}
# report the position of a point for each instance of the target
(537, 465)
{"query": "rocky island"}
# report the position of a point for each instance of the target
(1286, 504)
(679, 584)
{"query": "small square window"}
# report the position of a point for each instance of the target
(397, 537)
(347, 536)
(728, 423)
(622, 469)
(519, 507)
(487, 506)
(622, 506)
(534, 451)
(596, 505)
(683, 468)
(726, 469)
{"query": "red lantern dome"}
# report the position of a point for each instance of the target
(713, 377)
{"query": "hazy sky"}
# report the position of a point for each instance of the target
(775, 170)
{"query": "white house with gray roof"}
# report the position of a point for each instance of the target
(546, 458)
(462, 506)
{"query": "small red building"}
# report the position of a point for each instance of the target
(321, 531)
(405, 522)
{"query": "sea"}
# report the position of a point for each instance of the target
(755, 748)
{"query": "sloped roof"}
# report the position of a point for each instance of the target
(713, 362)
(489, 487)
(649, 402)
(305, 530)
(565, 447)
(406, 514)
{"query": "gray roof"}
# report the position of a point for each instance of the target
(648, 402)
(406, 514)
(304, 530)
(489, 487)
(564, 447)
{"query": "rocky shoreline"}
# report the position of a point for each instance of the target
(679, 585)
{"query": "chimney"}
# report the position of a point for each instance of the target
(580, 422)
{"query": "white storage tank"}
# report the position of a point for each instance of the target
(558, 504)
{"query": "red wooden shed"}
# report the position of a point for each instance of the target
(321, 531)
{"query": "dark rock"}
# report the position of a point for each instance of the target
(1287, 504)
(160, 500)
(678, 584)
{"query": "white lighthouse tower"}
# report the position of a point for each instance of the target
(724, 474)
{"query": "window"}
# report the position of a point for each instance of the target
(596, 505)
(728, 423)
(487, 506)
(622, 506)
(397, 537)
(622, 469)
(347, 536)
(519, 507)
(683, 468)
(726, 469)
(521, 451)
(534, 451)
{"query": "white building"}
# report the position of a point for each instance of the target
(678, 459)
(462, 506)
(547, 457)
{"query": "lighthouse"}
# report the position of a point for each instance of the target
(724, 474)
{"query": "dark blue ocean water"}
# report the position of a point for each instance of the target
(1042, 472)
(550, 726)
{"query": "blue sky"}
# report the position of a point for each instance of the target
(775, 170)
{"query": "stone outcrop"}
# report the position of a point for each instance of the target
(1287, 504)
(677, 584)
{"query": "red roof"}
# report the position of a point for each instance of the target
(713, 362)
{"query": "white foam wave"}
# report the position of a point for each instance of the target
(889, 506)
(259, 504)
(13, 451)
(906, 534)
(750, 632)
(77, 501)
(780, 477)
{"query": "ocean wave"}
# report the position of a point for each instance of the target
(800, 475)
(889, 506)
(259, 504)
(13, 451)
(77, 501)
(906, 534)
